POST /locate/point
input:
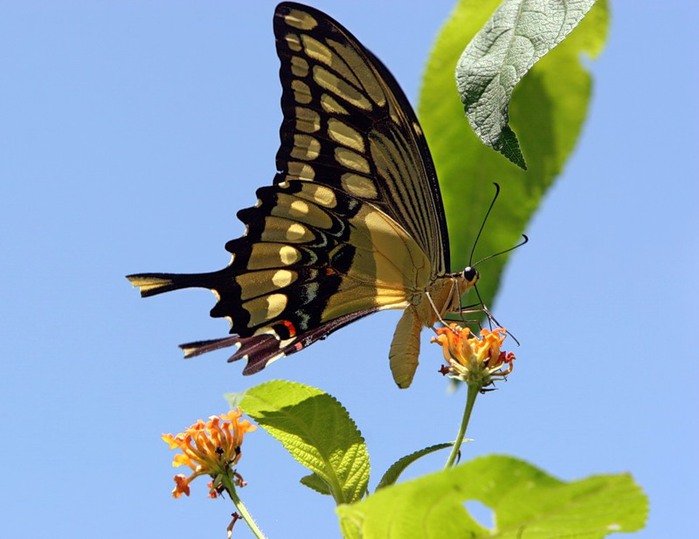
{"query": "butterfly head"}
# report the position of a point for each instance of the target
(471, 276)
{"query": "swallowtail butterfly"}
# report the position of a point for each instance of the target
(353, 223)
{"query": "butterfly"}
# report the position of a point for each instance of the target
(353, 223)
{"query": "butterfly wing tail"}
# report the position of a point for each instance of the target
(257, 349)
(262, 349)
(152, 284)
(193, 349)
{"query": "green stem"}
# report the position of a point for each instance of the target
(230, 488)
(473, 391)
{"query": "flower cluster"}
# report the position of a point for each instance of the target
(477, 361)
(209, 448)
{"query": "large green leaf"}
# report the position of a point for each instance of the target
(526, 502)
(316, 430)
(518, 34)
(547, 111)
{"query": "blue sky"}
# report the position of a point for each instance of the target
(132, 132)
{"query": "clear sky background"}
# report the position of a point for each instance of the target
(131, 133)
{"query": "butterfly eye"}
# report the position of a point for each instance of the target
(471, 275)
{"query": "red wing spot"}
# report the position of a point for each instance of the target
(290, 327)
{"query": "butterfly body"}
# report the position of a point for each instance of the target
(353, 222)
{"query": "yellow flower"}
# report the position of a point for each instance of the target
(475, 360)
(209, 448)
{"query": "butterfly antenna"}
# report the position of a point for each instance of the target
(525, 240)
(491, 319)
(485, 220)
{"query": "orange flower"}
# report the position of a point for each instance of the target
(474, 360)
(209, 448)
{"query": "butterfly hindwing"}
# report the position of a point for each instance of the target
(312, 254)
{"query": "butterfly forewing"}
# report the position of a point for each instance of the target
(348, 124)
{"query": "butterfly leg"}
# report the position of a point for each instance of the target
(453, 302)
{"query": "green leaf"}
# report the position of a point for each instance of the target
(317, 483)
(526, 501)
(547, 111)
(316, 430)
(397, 468)
(518, 34)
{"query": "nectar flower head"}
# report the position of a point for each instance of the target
(475, 360)
(209, 448)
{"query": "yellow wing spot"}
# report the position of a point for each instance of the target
(265, 308)
(330, 105)
(305, 147)
(299, 66)
(358, 186)
(283, 278)
(300, 171)
(296, 232)
(299, 19)
(302, 93)
(352, 160)
(339, 87)
(316, 50)
(294, 42)
(299, 208)
(289, 255)
(323, 196)
(344, 134)
(307, 120)
(417, 129)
